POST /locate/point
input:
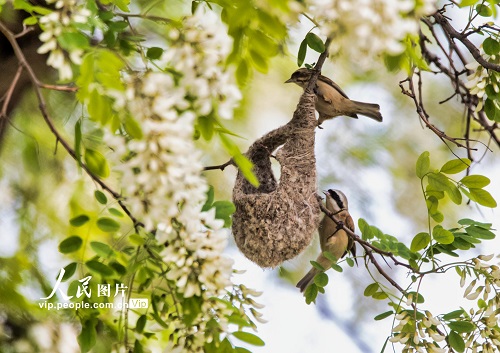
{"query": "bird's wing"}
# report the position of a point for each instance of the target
(333, 84)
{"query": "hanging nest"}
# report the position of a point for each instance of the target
(276, 221)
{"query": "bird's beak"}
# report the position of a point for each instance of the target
(289, 81)
(325, 193)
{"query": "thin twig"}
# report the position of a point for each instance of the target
(423, 115)
(220, 166)
(10, 91)
(58, 87)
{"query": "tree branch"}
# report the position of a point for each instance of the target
(43, 109)
(10, 91)
(220, 166)
(463, 38)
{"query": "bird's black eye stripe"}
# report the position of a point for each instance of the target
(337, 198)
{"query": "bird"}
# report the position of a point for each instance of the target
(332, 101)
(332, 237)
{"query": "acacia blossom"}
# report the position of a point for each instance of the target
(60, 21)
(365, 29)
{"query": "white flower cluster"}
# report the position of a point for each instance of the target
(487, 315)
(364, 29)
(423, 338)
(164, 189)
(198, 54)
(480, 78)
(66, 13)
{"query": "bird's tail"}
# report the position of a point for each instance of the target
(368, 109)
(307, 279)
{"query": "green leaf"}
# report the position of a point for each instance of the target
(107, 224)
(417, 297)
(442, 236)
(206, 126)
(28, 21)
(321, 279)
(154, 53)
(73, 41)
(99, 107)
(249, 338)
(118, 26)
(87, 337)
(438, 181)
(330, 256)
(453, 315)
(122, 4)
(468, 3)
(100, 197)
(302, 53)
(466, 221)
(483, 10)
(246, 167)
(315, 43)
(491, 46)
(96, 163)
(115, 212)
(238, 320)
(365, 229)
(423, 164)
(437, 216)
(454, 194)
(311, 293)
(337, 268)
(350, 262)
(490, 109)
(317, 266)
(133, 128)
(259, 62)
(480, 233)
(455, 166)
(420, 241)
(79, 220)
(99, 268)
(371, 289)
(224, 210)
(242, 72)
(101, 249)
(380, 296)
(138, 347)
(456, 341)
(69, 270)
(383, 315)
(475, 181)
(462, 326)
(210, 199)
(141, 323)
(240, 350)
(118, 267)
(70, 244)
(482, 197)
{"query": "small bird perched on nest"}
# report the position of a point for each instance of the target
(332, 238)
(331, 100)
